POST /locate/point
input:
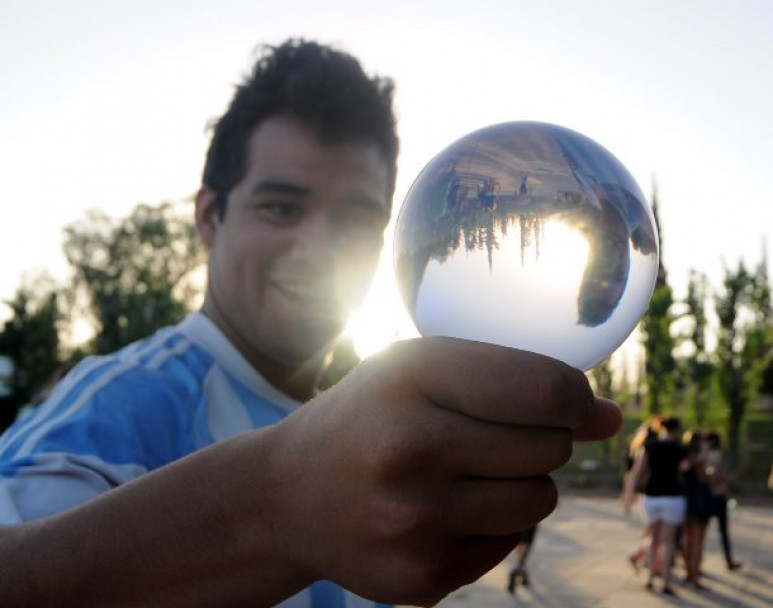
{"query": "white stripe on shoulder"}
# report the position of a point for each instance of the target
(45, 409)
(200, 328)
(29, 445)
(226, 415)
(164, 355)
(300, 600)
(355, 601)
(49, 422)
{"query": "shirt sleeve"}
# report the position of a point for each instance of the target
(108, 424)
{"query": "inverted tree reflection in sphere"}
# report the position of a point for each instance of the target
(528, 235)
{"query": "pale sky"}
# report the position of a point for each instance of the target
(104, 105)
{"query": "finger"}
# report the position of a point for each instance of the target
(473, 448)
(500, 507)
(495, 383)
(604, 420)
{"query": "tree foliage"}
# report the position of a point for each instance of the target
(658, 339)
(30, 339)
(699, 367)
(604, 384)
(133, 273)
(744, 341)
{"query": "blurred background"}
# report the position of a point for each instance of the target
(104, 116)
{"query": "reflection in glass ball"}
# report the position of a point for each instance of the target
(528, 235)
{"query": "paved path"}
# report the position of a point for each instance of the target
(579, 560)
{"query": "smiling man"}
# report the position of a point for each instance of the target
(198, 468)
(293, 247)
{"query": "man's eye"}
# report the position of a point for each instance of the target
(281, 211)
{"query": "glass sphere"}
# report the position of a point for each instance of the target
(528, 235)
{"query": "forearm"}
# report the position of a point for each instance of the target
(632, 480)
(175, 537)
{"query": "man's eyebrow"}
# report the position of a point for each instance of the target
(374, 205)
(275, 186)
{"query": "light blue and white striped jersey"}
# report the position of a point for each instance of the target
(115, 417)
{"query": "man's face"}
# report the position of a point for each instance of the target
(299, 242)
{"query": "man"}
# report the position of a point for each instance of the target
(141, 481)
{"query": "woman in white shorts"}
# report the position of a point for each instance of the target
(664, 498)
(668, 509)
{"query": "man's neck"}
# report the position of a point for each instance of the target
(296, 381)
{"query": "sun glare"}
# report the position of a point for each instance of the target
(563, 254)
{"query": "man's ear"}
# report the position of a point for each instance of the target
(207, 222)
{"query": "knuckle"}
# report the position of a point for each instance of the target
(409, 519)
(396, 454)
(403, 451)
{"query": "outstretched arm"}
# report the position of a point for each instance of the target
(408, 479)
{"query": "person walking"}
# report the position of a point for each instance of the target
(664, 498)
(699, 506)
(648, 431)
(719, 484)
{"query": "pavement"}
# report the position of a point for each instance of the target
(579, 559)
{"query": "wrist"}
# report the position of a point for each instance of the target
(254, 513)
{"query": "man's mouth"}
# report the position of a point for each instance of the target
(308, 294)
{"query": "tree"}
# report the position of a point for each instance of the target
(656, 331)
(30, 339)
(603, 382)
(699, 367)
(744, 343)
(134, 274)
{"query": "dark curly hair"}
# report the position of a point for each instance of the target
(324, 89)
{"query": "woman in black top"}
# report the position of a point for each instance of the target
(664, 498)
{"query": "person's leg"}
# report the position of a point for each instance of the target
(639, 556)
(678, 540)
(700, 539)
(683, 544)
(720, 510)
(522, 553)
(668, 533)
(689, 549)
(655, 540)
(511, 581)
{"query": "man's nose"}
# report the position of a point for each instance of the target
(317, 240)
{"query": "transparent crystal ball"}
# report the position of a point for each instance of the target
(528, 235)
